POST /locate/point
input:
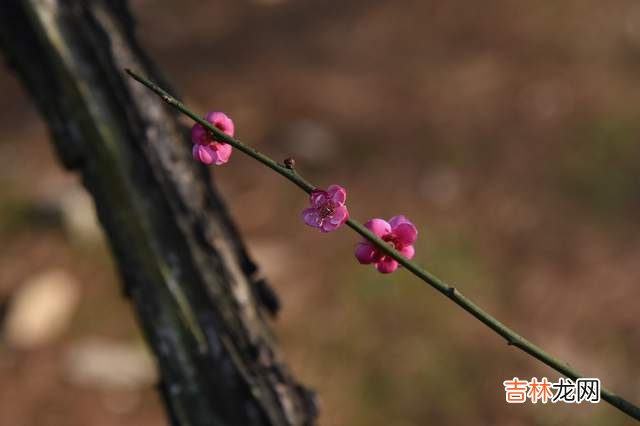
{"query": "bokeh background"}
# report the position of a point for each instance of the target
(507, 131)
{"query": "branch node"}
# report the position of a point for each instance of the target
(290, 163)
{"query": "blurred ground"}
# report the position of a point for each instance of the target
(508, 132)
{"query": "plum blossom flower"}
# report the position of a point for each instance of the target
(399, 232)
(327, 211)
(206, 148)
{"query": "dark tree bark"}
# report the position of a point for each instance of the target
(195, 291)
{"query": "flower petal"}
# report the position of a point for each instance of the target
(408, 251)
(221, 121)
(338, 194)
(223, 152)
(380, 227)
(311, 217)
(364, 253)
(397, 220)
(199, 134)
(318, 198)
(405, 233)
(387, 265)
(203, 153)
(328, 226)
(339, 216)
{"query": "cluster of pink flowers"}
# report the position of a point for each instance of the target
(327, 212)
(399, 233)
(206, 148)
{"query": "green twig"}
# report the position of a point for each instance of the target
(512, 338)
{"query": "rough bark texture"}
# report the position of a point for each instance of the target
(194, 289)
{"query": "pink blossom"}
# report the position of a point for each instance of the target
(205, 147)
(327, 211)
(399, 232)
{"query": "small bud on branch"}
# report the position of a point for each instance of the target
(290, 163)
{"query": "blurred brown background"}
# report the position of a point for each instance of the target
(507, 131)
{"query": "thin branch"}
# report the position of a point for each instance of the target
(512, 338)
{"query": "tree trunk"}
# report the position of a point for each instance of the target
(195, 291)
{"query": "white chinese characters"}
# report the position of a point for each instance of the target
(564, 390)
